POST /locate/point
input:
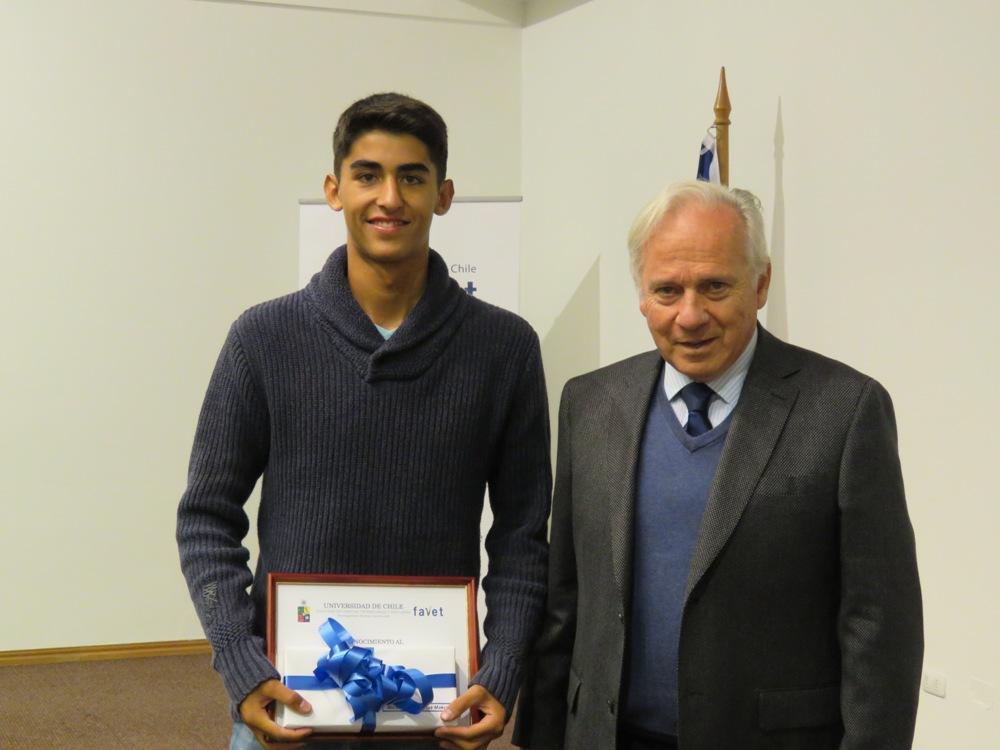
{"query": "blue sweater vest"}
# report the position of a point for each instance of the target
(674, 478)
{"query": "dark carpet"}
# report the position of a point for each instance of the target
(161, 703)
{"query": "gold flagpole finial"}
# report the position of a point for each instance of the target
(722, 110)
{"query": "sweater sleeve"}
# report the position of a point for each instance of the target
(229, 454)
(519, 494)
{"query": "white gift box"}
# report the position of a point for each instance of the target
(332, 713)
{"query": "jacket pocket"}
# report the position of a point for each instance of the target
(798, 709)
(572, 691)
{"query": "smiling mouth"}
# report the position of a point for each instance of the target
(388, 223)
(695, 345)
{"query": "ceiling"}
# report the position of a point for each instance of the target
(487, 12)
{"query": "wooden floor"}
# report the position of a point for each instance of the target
(159, 703)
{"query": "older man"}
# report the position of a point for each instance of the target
(732, 564)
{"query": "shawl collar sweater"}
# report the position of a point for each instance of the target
(415, 345)
(375, 455)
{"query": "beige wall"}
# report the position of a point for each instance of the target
(154, 152)
(886, 198)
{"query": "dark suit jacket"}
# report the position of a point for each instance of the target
(802, 624)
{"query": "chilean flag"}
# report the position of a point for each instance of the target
(708, 161)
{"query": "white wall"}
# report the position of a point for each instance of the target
(888, 233)
(154, 153)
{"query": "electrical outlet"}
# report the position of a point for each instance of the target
(935, 683)
(983, 694)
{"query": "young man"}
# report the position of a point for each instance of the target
(378, 403)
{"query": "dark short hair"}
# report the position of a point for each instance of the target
(393, 113)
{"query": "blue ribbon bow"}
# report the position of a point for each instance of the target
(367, 682)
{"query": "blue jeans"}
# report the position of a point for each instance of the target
(243, 738)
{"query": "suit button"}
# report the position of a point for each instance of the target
(611, 705)
(621, 617)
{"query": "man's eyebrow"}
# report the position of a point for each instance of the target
(377, 167)
(413, 167)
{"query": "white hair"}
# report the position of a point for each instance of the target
(680, 194)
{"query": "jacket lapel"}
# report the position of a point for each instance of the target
(766, 400)
(625, 426)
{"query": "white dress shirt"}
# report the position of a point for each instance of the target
(727, 386)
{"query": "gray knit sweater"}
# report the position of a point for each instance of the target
(375, 456)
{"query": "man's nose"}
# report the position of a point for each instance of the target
(691, 313)
(389, 196)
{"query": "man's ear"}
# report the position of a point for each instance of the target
(763, 284)
(446, 194)
(332, 190)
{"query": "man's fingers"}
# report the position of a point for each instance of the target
(253, 711)
(467, 740)
(276, 691)
(490, 727)
(476, 735)
(265, 729)
(471, 697)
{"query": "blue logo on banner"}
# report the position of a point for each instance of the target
(471, 288)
